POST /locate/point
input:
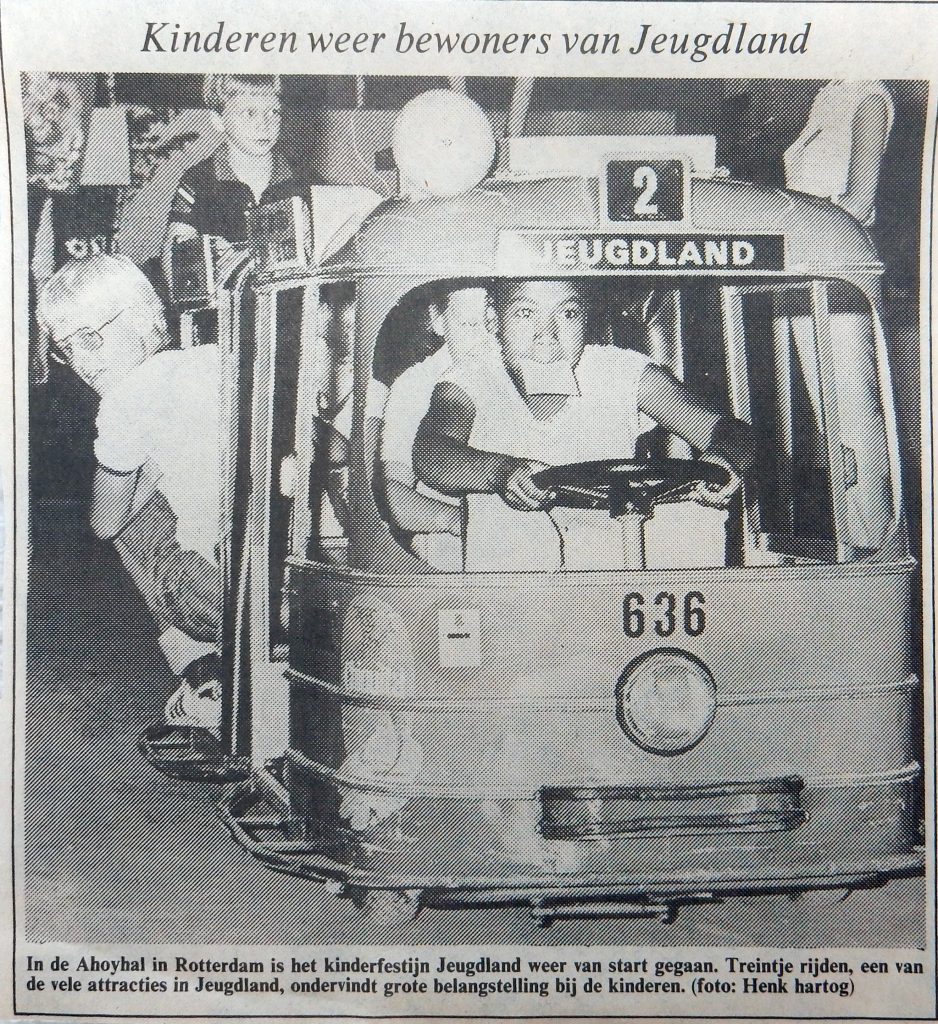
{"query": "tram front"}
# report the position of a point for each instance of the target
(665, 676)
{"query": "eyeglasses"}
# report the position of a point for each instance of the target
(86, 339)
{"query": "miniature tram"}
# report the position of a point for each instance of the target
(722, 702)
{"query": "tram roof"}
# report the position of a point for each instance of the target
(459, 235)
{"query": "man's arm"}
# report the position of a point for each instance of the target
(444, 459)
(111, 501)
(870, 134)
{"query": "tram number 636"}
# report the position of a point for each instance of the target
(663, 615)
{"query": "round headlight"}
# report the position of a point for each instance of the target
(665, 701)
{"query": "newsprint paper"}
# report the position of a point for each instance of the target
(468, 523)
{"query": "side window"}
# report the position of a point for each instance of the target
(870, 504)
(784, 388)
(816, 405)
(328, 421)
(288, 320)
(704, 368)
(304, 407)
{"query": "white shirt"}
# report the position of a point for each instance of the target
(818, 161)
(602, 422)
(409, 400)
(166, 412)
(407, 404)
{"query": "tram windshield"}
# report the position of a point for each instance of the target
(555, 373)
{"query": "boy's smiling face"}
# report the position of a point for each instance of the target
(251, 121)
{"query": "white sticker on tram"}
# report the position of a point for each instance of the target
(460, 641)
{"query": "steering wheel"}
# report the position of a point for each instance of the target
(627, 485)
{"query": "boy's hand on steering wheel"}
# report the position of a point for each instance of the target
(717, 495)
(518, 489)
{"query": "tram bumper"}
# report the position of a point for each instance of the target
(594, 851)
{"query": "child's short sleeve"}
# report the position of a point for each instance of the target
(120, 442)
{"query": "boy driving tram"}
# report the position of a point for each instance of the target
(555, 397)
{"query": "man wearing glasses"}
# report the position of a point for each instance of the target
(157, 422)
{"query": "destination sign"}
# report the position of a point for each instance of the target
(532, 252)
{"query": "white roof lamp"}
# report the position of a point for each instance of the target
(443, 144)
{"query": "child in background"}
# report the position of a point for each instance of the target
(247, 170)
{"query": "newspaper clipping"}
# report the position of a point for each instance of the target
(467, 502)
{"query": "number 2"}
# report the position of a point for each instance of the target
(646, 179)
